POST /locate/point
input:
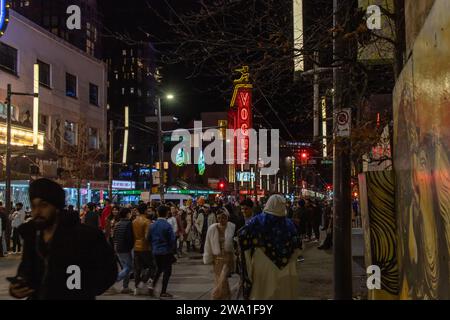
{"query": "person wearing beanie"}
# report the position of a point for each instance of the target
(270, 245)
(62, 259)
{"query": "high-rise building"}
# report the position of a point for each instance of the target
(52, 15)
(131, 83)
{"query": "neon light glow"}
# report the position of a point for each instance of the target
(180, 161)
(298, 34)
(21, 137)
(36, 104)
(201, 164)
(3, 16)
(125, 136)
(324, 127)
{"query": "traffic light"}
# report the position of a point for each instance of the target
(222, 185)
(304, 156)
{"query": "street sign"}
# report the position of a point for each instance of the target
(327, 161)
(343, 119)
(312, 161)
(163, 119)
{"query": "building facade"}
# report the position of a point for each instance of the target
(72, 98)
(52, 15)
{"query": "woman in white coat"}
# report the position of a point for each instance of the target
(219, 251)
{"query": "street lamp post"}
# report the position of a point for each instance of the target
(8, 152)
(9, 94)
(161, 147)
(160, 153)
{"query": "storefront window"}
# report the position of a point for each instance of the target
(69, 132)
(3, 111)
(93, 138)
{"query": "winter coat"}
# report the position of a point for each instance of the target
(123, 236)
(201, 218)
(92, 219)
(73, 244)
(162, 237)
(212, 244)
(140, 229)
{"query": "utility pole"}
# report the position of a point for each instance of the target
(9, 94)
(8, 151)
(161, 153)
(316, 96)
(110, 175)
(341, 166)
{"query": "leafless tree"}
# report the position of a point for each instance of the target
(80, 159)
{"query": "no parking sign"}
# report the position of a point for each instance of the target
(343, 119)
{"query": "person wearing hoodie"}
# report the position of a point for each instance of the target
(270, 245)
(17, 219)
(56, 250)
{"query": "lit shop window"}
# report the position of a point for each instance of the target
(93, 138)
(70, 132)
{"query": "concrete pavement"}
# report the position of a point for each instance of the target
(192, 280)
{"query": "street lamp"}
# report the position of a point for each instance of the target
(160, 147)
(9, 95)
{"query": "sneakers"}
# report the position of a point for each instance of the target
(300, 259)
(166, 296)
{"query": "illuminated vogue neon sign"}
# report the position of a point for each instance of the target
(241, 110)
(3, 16)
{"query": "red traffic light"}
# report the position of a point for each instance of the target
(304, 155)
(221, 185)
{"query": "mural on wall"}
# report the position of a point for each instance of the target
(380, 231)
(422, 161)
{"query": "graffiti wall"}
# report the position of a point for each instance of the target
(422, 161)
(380, 230)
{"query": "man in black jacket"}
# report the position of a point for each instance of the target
(123, 243)
(92, 218)
(61, 259)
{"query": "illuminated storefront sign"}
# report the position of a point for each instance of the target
(116, 184)
(192, 191)
(182, 157)
(252, 192)
(245, 176)
(201, 164)
(21, 137)
(240, 117)
(4, 16)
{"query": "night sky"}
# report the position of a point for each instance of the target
(203, 92)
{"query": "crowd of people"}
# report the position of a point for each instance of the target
(143, 241)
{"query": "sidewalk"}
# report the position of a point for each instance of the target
(316, 273)
(190, 280)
